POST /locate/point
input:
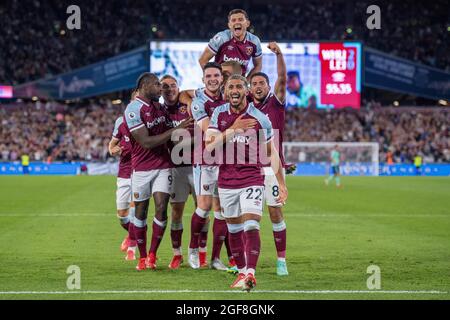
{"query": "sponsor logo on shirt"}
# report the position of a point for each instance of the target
(242, 139)
(156, 122)
(241, 62)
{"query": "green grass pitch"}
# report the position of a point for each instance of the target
(401, 225)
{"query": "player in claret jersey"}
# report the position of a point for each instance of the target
(205, 174)
(183, 181)
(120, 146)
(273, 105)
(246, 132)
(150, 127)
(235, 44)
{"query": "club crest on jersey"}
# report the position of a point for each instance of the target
(249, 50)
(206, 187)
(183, 109)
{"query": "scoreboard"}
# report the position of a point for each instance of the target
(320, 74)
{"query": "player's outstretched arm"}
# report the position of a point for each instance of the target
(280, 84)
(205, 57)
(277, 167)
(114, 148)
(257, 66)
(149, 142)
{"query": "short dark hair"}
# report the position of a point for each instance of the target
(212, 65)
(168, 76)
(144, 79)
(291, 74)
(235, 11)
(260, 74)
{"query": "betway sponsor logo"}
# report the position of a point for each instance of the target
(241, 62)
(241, 139)
(156, 122)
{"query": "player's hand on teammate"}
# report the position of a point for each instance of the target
(273, 46)
(186, 123)
(283, 194)
(243, 124)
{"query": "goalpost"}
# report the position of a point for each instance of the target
(313, 158)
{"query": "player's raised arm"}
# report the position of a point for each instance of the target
(257, 66)
(280, 84)
(207, 55)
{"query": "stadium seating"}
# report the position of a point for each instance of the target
(107, 31)
(82, 132)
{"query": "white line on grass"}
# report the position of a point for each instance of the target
(288, 215)
(223, 291)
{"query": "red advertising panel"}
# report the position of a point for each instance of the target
(340, 74)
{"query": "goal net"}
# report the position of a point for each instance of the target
(313, 158)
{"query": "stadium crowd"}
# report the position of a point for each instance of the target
(410, 29)
(60, 132)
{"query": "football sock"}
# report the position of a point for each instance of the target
(176, 232)
(279, 236)
(219, 233)
(158, 229)
(253, 244)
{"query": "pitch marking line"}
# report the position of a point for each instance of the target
(223, 291)
(295, 215)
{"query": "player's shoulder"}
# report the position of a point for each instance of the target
(252, 38)
(273, 99)
(134, 106)
(260, 116)
(225, 107)
(119, 121)
(220, 39)
(223, 36)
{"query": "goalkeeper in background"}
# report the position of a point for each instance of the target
(335, 156)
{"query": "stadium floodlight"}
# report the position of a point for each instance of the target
(357, 158)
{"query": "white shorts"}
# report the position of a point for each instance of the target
(235, 202)
(205, 180)
(123, 193)
(271, 187)
(145, 183)
(183, 184)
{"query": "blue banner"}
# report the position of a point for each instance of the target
(366, 169)
(388, 72)
(40, 168)
(114, 74)
(303, 169)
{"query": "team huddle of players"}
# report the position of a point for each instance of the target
(233, 120)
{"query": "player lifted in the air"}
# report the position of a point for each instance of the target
(335, 159)
(235, 44)
(183, 181)
(150, 127)
(273, 105)
(206, 174)
(120, 145)
(245, 133)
